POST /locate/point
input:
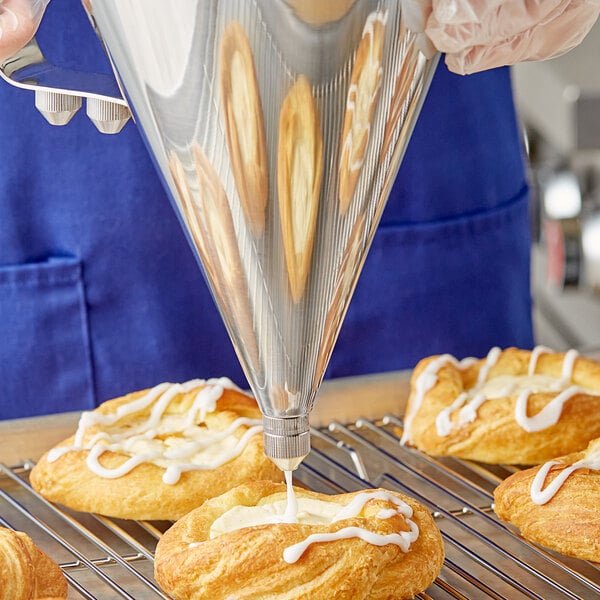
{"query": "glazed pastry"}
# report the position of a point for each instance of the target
(515, 406)
(299, 175)
(158, 453)
(247, 544)
(27, 573)
(363, 93)
(244, 126)
(557, 504)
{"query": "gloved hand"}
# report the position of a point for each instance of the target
(19, 20)
(482, 34)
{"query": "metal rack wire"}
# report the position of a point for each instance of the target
(485, 558)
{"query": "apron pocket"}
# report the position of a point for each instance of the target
(45, 358)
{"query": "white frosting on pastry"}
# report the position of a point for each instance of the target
(541, 494)
(469, 401)
(426, 380)
(177, 442)
(312, 511)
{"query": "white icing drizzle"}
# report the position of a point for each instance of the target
(403, 539)
(541, 494)
(425, 381)
(469, 402)
(535, 354)
(320, 512)
(548, 416)
(177, 443)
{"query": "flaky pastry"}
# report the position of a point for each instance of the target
(27, 573)
(158, 453)
(515, 406)
(238, 546)
(557, 504)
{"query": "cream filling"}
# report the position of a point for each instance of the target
(311, 511)
(175, 442)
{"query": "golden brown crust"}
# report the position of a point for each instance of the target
(141, 493)
(363, 93)
(27, 573)
(299, 175)
(495, 436)
(570, 521)
(248, 563)
(244, 126)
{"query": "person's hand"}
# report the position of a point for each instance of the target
(483, 34)
(19, 20)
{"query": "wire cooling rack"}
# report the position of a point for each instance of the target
(485, 558)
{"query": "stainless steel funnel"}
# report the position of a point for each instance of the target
(278, 127)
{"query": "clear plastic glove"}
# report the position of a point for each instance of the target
(483, 34)
(19, 20)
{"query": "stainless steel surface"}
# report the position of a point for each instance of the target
(108, 559)
(278, 128)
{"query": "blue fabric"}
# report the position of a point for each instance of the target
(100, 293)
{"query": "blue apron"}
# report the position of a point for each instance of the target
(100, 293)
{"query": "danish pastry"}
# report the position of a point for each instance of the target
(246, 544)
(158, 453)
(27, 573)
(515, 406)
(244, 126)
(363, 93)
(557, 504)
(299, 175)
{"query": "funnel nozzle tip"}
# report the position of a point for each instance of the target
(286, 440)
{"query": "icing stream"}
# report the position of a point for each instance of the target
(176, 442)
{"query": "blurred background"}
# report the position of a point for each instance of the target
(559, 105)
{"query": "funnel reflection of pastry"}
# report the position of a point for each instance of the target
(317, 12)
(299, 175)
(157, 453)
(400, 112)
(346, 277)
(27, 573)
(374, 544)
(244, 126)
(557, 504)
(211, 226)
(515, 406)
(363, 93)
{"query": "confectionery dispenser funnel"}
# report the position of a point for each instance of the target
(278, 127)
